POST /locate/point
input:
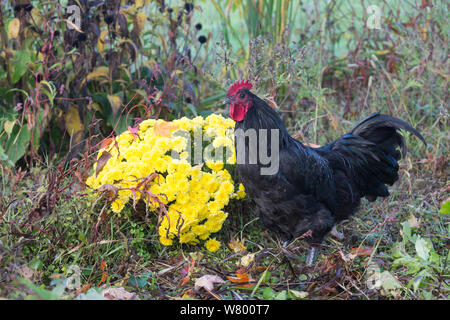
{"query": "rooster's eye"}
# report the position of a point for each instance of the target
(241, 96)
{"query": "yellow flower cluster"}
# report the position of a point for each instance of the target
(195, 194)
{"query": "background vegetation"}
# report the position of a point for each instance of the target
(63, 91)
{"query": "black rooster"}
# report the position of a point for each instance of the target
(313, 188)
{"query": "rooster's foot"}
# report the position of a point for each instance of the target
(338, 235)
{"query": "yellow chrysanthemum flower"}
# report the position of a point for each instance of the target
(215, 166)
(195, 196)
(212, 245)
(165, 241)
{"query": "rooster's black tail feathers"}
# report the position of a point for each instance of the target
(381, 168)
(382, 129)
(369, 152)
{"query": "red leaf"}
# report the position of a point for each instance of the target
(367, 251)
(101, 162)
(185, 280)
(133, 132)
(84, 288)
(106, 142)
(104, 272)
(242, 278)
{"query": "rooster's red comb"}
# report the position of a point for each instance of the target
(238, 85)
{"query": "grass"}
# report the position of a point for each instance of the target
(394, 248)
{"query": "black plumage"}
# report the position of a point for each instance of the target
(315, 188)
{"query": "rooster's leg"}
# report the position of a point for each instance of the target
(312, 256)
(287, 258)
(338, 235)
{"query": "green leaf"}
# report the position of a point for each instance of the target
(388, 282)
(3, 73)
(141, 281)
(4, 157)
(17, 142)
(21, 60)
(82, 237)
(268, 293)
(414, 264)
(422, 248)
(406, 230)
(41, 292)
(36, 264)
(192, 109)
(445, 208)
(281, 295)
(418, 279)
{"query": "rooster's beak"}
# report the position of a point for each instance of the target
(228, 100)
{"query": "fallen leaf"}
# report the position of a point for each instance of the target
(413, 221)
(237, 246)
(346, 257)
(83, 289)
(189, 294)
(242, 278)
(367, 251)
(164, 129)
(185, 280)
(247, 259)
(298, 294)
(188, 269)
(26, 272)
(104, 272)
(207, 282)
(119, 294)
(197, 256)
(327, 265)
